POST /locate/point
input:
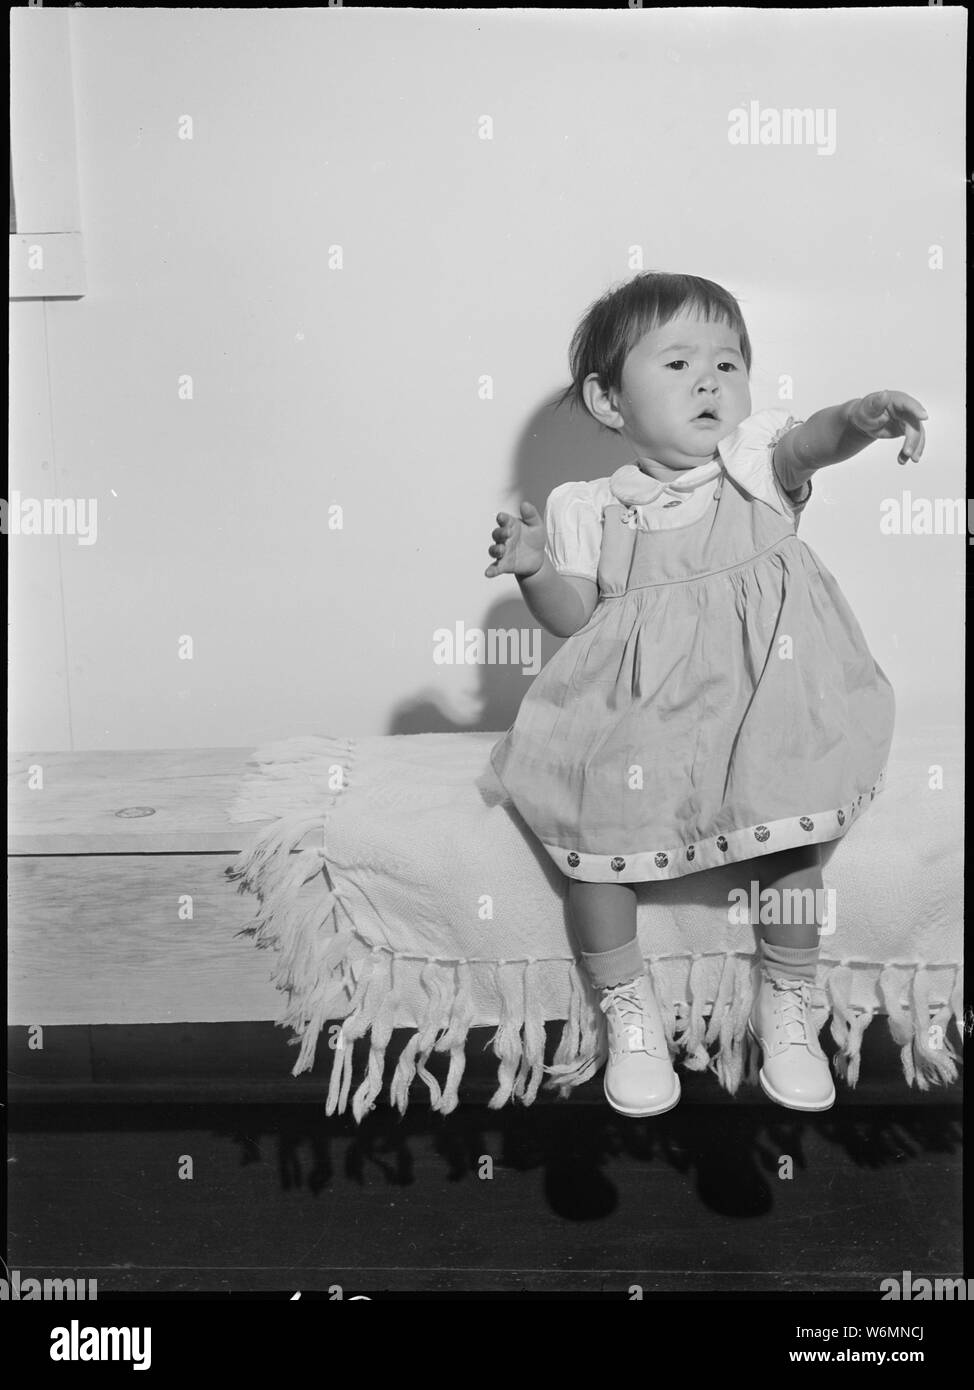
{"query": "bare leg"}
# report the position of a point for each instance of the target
(603, 914)
(797, 869)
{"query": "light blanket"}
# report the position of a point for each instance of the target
(401, 889)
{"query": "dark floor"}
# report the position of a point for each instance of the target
(281, 1197)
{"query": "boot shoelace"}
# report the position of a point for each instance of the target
(791, 999)
(630, 1005)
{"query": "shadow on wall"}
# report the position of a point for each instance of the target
(557, 445)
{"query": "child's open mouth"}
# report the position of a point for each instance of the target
(710, 415)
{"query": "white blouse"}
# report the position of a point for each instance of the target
(573, 513)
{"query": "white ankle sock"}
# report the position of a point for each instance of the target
(791, 962)
(615, 967)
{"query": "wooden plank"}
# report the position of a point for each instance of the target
(98, 939)
(576, 1200)
(229, 1062)
(127, 802)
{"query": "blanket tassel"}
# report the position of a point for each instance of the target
(583, 1048)
(420, 1043)
(341, 1071)
(926, 1052)
(455, 1038)
(506, 1041)
(847, 1023)
(728, 1022)
(531, 1070)
(691, 1039)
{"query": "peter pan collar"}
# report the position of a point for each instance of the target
(634, 488)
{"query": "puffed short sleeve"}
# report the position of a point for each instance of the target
(748, 455)
(573, 524)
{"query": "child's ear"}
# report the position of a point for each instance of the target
(599, 403)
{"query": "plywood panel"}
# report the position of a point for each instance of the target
(97, 802)
(98, 939)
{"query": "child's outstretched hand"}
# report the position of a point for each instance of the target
(889, 414)
(520, 543)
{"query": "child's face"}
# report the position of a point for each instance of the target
(670, 376)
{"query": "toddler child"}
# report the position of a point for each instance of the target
(715, 701)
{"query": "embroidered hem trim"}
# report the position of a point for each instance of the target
(671, 862)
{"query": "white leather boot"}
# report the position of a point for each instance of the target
(796, 1070)
(639, 1077)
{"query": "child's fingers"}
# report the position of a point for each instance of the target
(502, 544)
(914, 439)
(504, 537)
(907, 406)
(912, 445)
(873, 407)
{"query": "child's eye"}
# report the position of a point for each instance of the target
(681, 362)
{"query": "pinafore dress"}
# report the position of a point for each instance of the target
(721, 703)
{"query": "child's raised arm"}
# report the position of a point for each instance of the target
(839, 431)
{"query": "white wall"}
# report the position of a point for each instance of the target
(462, 257)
